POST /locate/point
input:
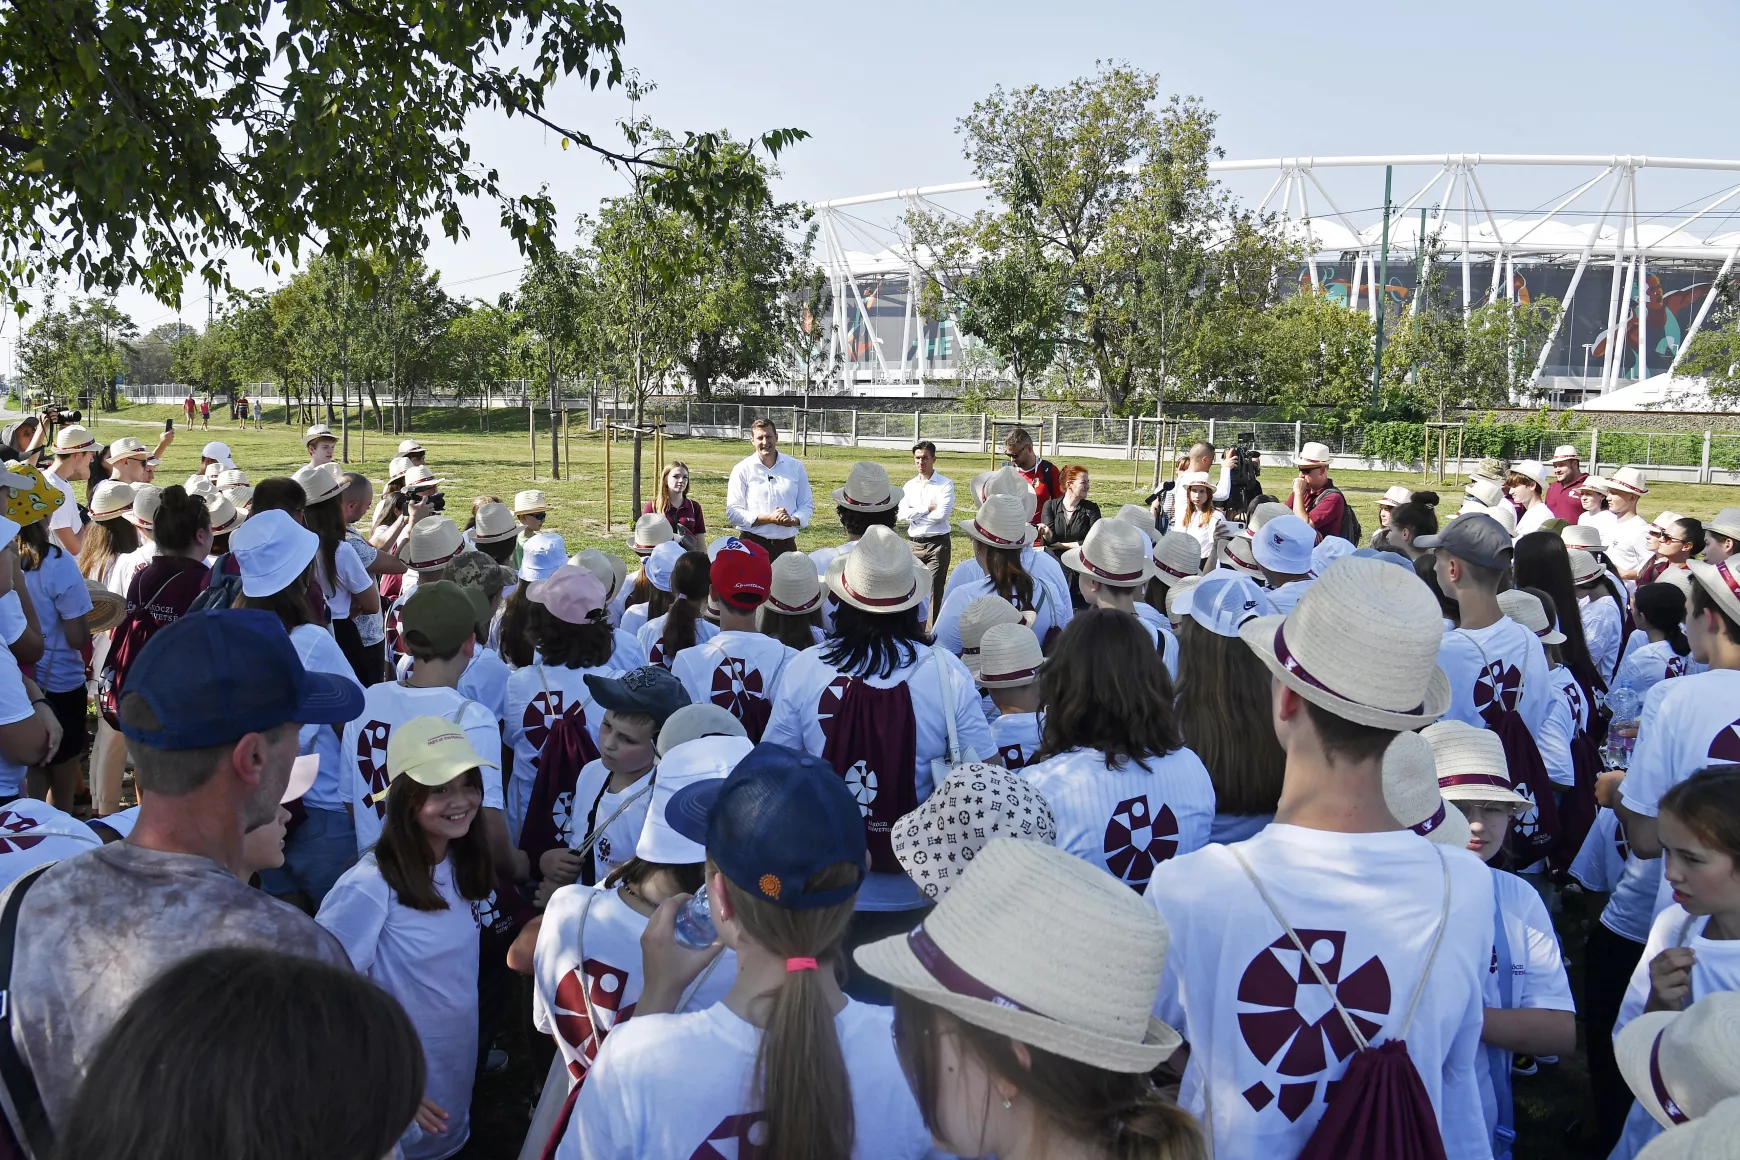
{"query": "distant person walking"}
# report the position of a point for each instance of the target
(205, 412)
(768, 497)
(188, 407)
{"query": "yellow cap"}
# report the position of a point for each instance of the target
(431, 751)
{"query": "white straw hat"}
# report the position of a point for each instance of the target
(975, 805)
(1532, 470)
(73, 439)
(1084, 989)
(610, 570)
(419, 476)
(319, 484)
(1504, 514)
(1527, 610)
(1592, 483)
(532, 500)
(410, 447)
(1665, 521)
(495, 523)
(1362, 643)
(1586, 536)
(1681, 1064)
(198, 484)
(1725, 523)
(1471, 764)
(397, 468)
(224, 516)
(661, 563)
(1009, 656)
(1395, 496)
(231, 477)
(1484, 491)
(879, 575)
(146, 499)
(128, 447)
(1312, 455)
(1284, 545)
(795, 590)
(541, 555)
(112, 500)
(435, 543)
(1237, 554)
(868, 489)
(1008, 481)
(1001, 522)
(1720, 582)
(241, 496)
(650, 530)
(1223, 600)
(318, 431)
(1263, 513)
(1141, 519)
(1584, 567)
(1186, 480)
(1715, 1136)
(703, 758)
(1630, 480)
(982, 614)
(1411, 793)
(1177, 556)
(1175, 597)
(1113, 553)
(1564, 453)
(272, 550)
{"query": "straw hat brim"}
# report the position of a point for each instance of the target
(1454, 831)
(1481, 793)
(1553, 637)
(1072, 560)
(895, 493)
(1710, 580)
(107, 608)
(1259, 637)
(1631, 1050)
(533, 510)
(971, 528)
(835, 582)
(892, 961)
(478, 537)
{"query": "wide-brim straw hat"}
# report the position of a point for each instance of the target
(319, 484)
(1564, 453)
(795, 589)
(1528, 611)
(1006, 480)
(650, 530)
(1712, 1137)
(975, 805)
(1630, 480)
(1141, 519)
(111, 500)
(1584, 567)
(1237, 553)
(1001, 522)
(879, 575)
(147, 498)
(1411, 793)
(1009, 656)
(1362, 643)
(72, 440)
(610, 570)
(318, 431)
(868, 489)
(1471, 764)
(1594, 484)
(1720, 581)
(1312, 455)
(1085, 990)
(435, 543)
(531, 501)
(1395, 496)
(1177, 556)
(1725, 523)
(107, 608)
(225, 517)
(1681, 1064)
(1585, 536)
(495, 523)
(1484, 492)
(982, 614)
(1113, 553)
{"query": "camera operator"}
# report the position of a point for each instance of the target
(1200, 457)
(419, 498)
(23, 439)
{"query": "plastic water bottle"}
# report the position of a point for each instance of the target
(1626, 707)
(694, 922)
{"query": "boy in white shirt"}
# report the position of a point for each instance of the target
(739, 669)
(1353, 665)
(1008, 671)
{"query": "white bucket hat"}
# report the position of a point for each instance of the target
(1237, 552)
(1411, 793)
(881, 574)
(224, 516)
(1584, 567)
(795, 590)
(495, 523)
(1586, 536)
(1329, 551)
(1630, 480)
(1565, 453)
(1085, 990)
(1113, 553)
(650, 530)
(1177, 556)
(1000, 523)
(1395, 496)
(1362, 643)
(1471, 764)
(1532, 470)
(1485, 492)
(1527, 610)
(1284, 545)
(1223, 600)
(435, 543)
(661, 562)
(1721, 583)
(1007, 481)
(112, 500)
(541, 555)
(868, 489)
(319, 484)
(1141, 519)
(272, 550)
(1009, 656)
(1312, 455)
(1681, 1064)
(610, 570)
(146, 499)
(318, 431)
(982, 614)
(530, 501)
(705, 758)
(975, 805)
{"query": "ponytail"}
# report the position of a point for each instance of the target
(179, 520)
(1008, 578)
(1663, 608)
(690, 583)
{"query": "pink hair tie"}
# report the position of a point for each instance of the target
(800, 965)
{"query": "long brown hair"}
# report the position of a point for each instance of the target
(1106, 688)
(662, 504)
(326, 520)
(791, 630)
(1009, 579)
(402, 851)
(1223, 714)
(1542, 561)
(1122, 1113)
(799, 1066)
(34, 545)
(289, 603)
(105, 542)
(690, 584)
(517, 621)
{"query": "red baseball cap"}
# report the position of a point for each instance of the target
(741, 574)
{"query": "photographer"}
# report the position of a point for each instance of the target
(1200, 457)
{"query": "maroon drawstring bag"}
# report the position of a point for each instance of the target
(872, 743)
(1577, 808)
(1497, 696)
(1378, 1109)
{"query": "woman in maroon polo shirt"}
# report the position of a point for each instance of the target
(673, 501)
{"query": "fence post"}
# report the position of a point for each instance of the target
(1054, 432)
(1704, 471)
(1211, 441)
(854, 426)
(740, 421)
(982, 425)
(688, 418)
(1130, 437)
(1298, 438)
(1594, 450)
(915, 414)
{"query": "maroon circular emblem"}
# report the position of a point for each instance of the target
(573, 1024)
(1726, 744)
(735, 684)
(1497, 691)
(12, 836)
(371, 761)
(1138, 839)
(739, 1137)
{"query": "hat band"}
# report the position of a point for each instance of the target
(875, 601)
(953, 976)
(1105, 575)
(996, 539)
(782, 606)
(965, 651)
(847, 496)
(1489, 780)
(1171, 571)
(1655, 1081)
(447, 559)
(1728, 578)
(1292, 665)
(1017, 675)
(1433, 822)
(106, 513)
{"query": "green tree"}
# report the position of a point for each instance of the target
(75, 355)
(1014, 303)
(479, 353)
(1316, 353)
(551, 307)
(1715, 353)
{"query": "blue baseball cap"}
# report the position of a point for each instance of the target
(649, 689)
(779, 819)
(215, 675)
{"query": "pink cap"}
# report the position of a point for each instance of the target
(572, 594)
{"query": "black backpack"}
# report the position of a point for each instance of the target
(221, 591)
(1350, 529)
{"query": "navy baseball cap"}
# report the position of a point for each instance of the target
(780, 818)
(214, 675)
(649, 689)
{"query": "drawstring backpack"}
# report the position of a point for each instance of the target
(1379, 1109)
(1528, 772)
(1497, 1058)
(567, 749)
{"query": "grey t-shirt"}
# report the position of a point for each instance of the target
(97, 928)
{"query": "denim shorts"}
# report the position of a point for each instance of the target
(321, 848)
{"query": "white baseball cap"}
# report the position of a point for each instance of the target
(1223, 600)
(710, 758)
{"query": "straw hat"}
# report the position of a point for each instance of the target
(1189, 479)
(1485, 492)
(72, 440)
(1141, 519)
(651, 530)
(1586, 536)
(435, 542)
(1527, 610)
(1177, 556)
(1584, 567)
(880, 574)
(224, 516)
(410, 447)
(1009, 656)
(530, 501)
(107, 608)
(1629, 480)
(1395, 496)
(1001, 523)
(796, 590)
(241, 497)
(1084, 990)
(1712, 1137)
(1284, 545)
(1362, 643)
(1411, 793)
(129, 448)
(317, 432)
(146, 498)
(1665, 521)
(419, 476)
(231, 477)
(319, 484)
(1504, 514)
(1007, 481)
(1681, 1064)
(1565, 453)
(974, 806)
(1263, 513)
(1678, 575)
(982, 614)
(1312, 455)
(1236, 552)
(200, 485)
(1471, 764)
(610, 570)
(1175, 597)
(495, 523)
(1532, 470)
(1720, 582)
(1725, 523)
(1593, 484)
(397, 467)
(111, 500)
(868, 490)
(1113, 553)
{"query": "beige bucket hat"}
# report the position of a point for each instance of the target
(1721, 583)
(1177, 556)
(1312, 455)
(1411, 793)
(1585, 536)
(1007, 481)
(1009, 656)
(1584, 567)
(435, 543)
(107, 608)
(1712, 1137)
(319, 484)
(112, 500)
(610, 570)
(495, 523)
(1395, 496)
(1528, 611)
(1113, 553)
(1001, 522)
(74, 439)
(1141, 519)
(532, 500)
(1471, 764)
(1362, 643)
(1630, 480)
(147, 497)
(1084, 991)
(795, 589)
(868, 489)
(879, 575)
(975, 805)
(1565, 453)
(650, 530)
(982, 614)
(1681, 1064)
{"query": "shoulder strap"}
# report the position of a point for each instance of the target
(1432, 955)
(580, 958)
(948, 703)
(458, 715)
(18, 1090)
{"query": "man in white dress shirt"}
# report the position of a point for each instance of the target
(768, 497)
(925, 507)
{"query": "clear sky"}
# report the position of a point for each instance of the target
(881, 86)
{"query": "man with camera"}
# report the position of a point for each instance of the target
(1199, 458)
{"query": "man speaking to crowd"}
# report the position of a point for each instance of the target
(768, 497)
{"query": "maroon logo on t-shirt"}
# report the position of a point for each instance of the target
(1497, 691)
(541, 712)
(1011, 757)
(12, 836)
(1619, 841)
(1574, 697)
(656, 655)
(573, 1023)
(735, 684)
(1297, 1029)
(371, 760)
(1137, 839)
(485, 912)
(1726, 745)
(1676, 667)
(562, 814)
(739, 1137)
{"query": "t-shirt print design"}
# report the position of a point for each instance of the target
(743, 1136)
(1294, 1026)
(1725, 747)
(12, 835)
(574, 1024)
(371, 759)
(541, 713)
(736, 686)
(1497, 691)
(1137, 840)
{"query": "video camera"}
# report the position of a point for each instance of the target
(1245, 482)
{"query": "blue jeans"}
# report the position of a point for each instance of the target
(322, 848)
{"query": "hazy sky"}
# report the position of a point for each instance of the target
(881, 86)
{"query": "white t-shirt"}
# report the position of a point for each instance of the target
(128, 565)
(1160, 629)
(427, 960)
(1570, 692)
(1040, 564)
(796, 721)
(387, 706)
(15, 706)
(594, 805)
(536, 696)
(1505, 659)
(626, 652)
(485, 681)
(633, 620)
(1557, 732)
(1687, 724)
(1531, 519)
(1602, 519)
(681, 1087)
(1538, 979)
(1628, 542)
(603, 964)
(67, 514)
(1207, 533)
(353, 577)
(1263, 1045)
(1287, 595)
(320, 654)
(1648, 664)
(34, 833)
(58, 593)
(1129, 817)
(651, 643)
(1053, 613)
(1600, 861)
(731, 669)
(1015, 738)
(1602, 626)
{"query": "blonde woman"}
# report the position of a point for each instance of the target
(673, 501)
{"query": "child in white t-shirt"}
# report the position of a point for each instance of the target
(1659, 611)
(739, 668)
(1012, 682)
(407, 914)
